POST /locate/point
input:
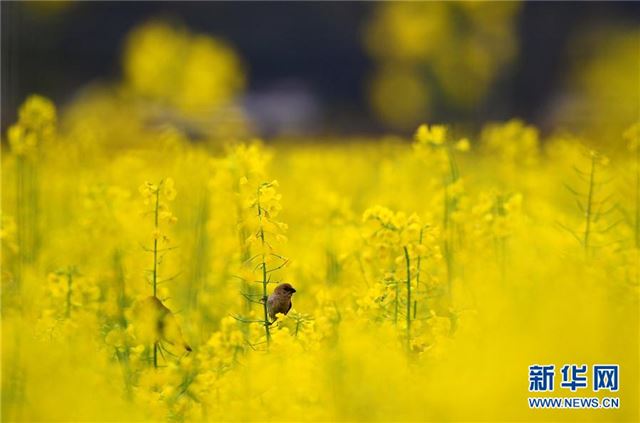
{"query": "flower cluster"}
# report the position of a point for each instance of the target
(408, 252)
(36, 125)
(495, 215)
(156, 198)
(513, 142)
(192, 72)
(442, 295)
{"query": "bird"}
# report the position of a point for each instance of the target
(156, 323)
(280, 300)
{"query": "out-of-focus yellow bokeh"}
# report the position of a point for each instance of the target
(190, 71)
(143, 228)
(436, 54)
(430, 275)
(602, 88)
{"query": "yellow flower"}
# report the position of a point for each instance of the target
(22, 142)
(37, 113)
(147, 189)
(514, 203)
(599, 157)
(169, 189)
(463, 145)
(168, 216)
(434, 135)
(115, 338)
(191, 72)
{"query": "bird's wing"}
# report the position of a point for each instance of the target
(270, 302)
(172, 333)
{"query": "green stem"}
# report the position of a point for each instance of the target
(122, 354)
(265, 281)
(448, 250)
(69, 285)
(120, 283)
(453, 165)
(408, 262)
(155, 355)
(418, 266)
(155, 243)
(155, 262)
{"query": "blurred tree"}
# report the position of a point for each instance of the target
(192, 72)
(601, 91)
(436, 56)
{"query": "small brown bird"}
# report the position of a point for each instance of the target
(280, 300)
(156, 323)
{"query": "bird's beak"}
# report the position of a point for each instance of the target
(293, 290)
